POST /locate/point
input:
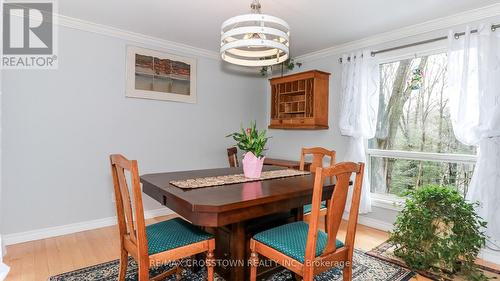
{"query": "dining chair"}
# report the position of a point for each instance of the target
(155, 244)
(304, 248)
(232, 157)
(318, 156)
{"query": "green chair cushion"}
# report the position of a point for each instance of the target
(171, 234)
(308, 207)
(290, 239)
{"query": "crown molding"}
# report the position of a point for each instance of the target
(133, 37)
(397, 34)
(405, 32)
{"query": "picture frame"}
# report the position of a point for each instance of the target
(160, 76)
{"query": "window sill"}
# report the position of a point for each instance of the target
(386, 201)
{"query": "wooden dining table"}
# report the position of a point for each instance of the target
(234, 212)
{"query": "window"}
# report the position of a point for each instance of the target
(414, 143)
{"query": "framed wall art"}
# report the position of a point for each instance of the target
(160, 76)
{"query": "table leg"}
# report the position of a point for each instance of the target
(238, 244)
(298, 213)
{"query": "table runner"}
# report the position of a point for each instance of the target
(233, 179)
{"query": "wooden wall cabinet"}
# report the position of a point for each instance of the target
(300, 101)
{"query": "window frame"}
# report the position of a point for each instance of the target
(391, 201)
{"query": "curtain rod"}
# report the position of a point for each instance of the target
(457, 35)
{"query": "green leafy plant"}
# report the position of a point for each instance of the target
(289, 64)
(251, 140)
(439, 231)
(417, 79)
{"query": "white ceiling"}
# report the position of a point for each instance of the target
(315, 24)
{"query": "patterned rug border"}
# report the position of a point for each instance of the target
(384, 246)
(83, 269)
(400, 273)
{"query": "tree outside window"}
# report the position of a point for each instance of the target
(414, 117)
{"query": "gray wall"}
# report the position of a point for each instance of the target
(59, 126)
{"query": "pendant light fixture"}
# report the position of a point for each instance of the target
(255, 39)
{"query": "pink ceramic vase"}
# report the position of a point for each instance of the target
(252, 166)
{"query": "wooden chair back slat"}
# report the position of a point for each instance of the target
(337, 205)
(312, 235)
(127, 204)
(354, 211)
(342, 172)
(318, 155)
(133, 230)
(232, 157)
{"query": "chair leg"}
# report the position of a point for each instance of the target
(178, 274)
(123, 265)
(326, 223)
(210, 265)
(143, 273)
(327, 219)
(308, 276)
(254, 261)
(347, 273)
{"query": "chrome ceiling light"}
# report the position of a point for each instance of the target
(255, 39)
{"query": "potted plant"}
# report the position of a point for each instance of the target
(287, 65)
(253, 143)
(439, 231)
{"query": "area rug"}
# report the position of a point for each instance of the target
(385, 251)
(365, 268)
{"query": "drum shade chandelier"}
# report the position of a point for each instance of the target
(255, 39)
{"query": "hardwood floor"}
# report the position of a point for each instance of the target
(38, 260)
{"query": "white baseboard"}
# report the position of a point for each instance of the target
(374, 223)
(490, 255)
(2, 248)
(371, 222)
(48, 232)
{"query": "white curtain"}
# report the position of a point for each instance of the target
(358, 111)
(474, 85)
